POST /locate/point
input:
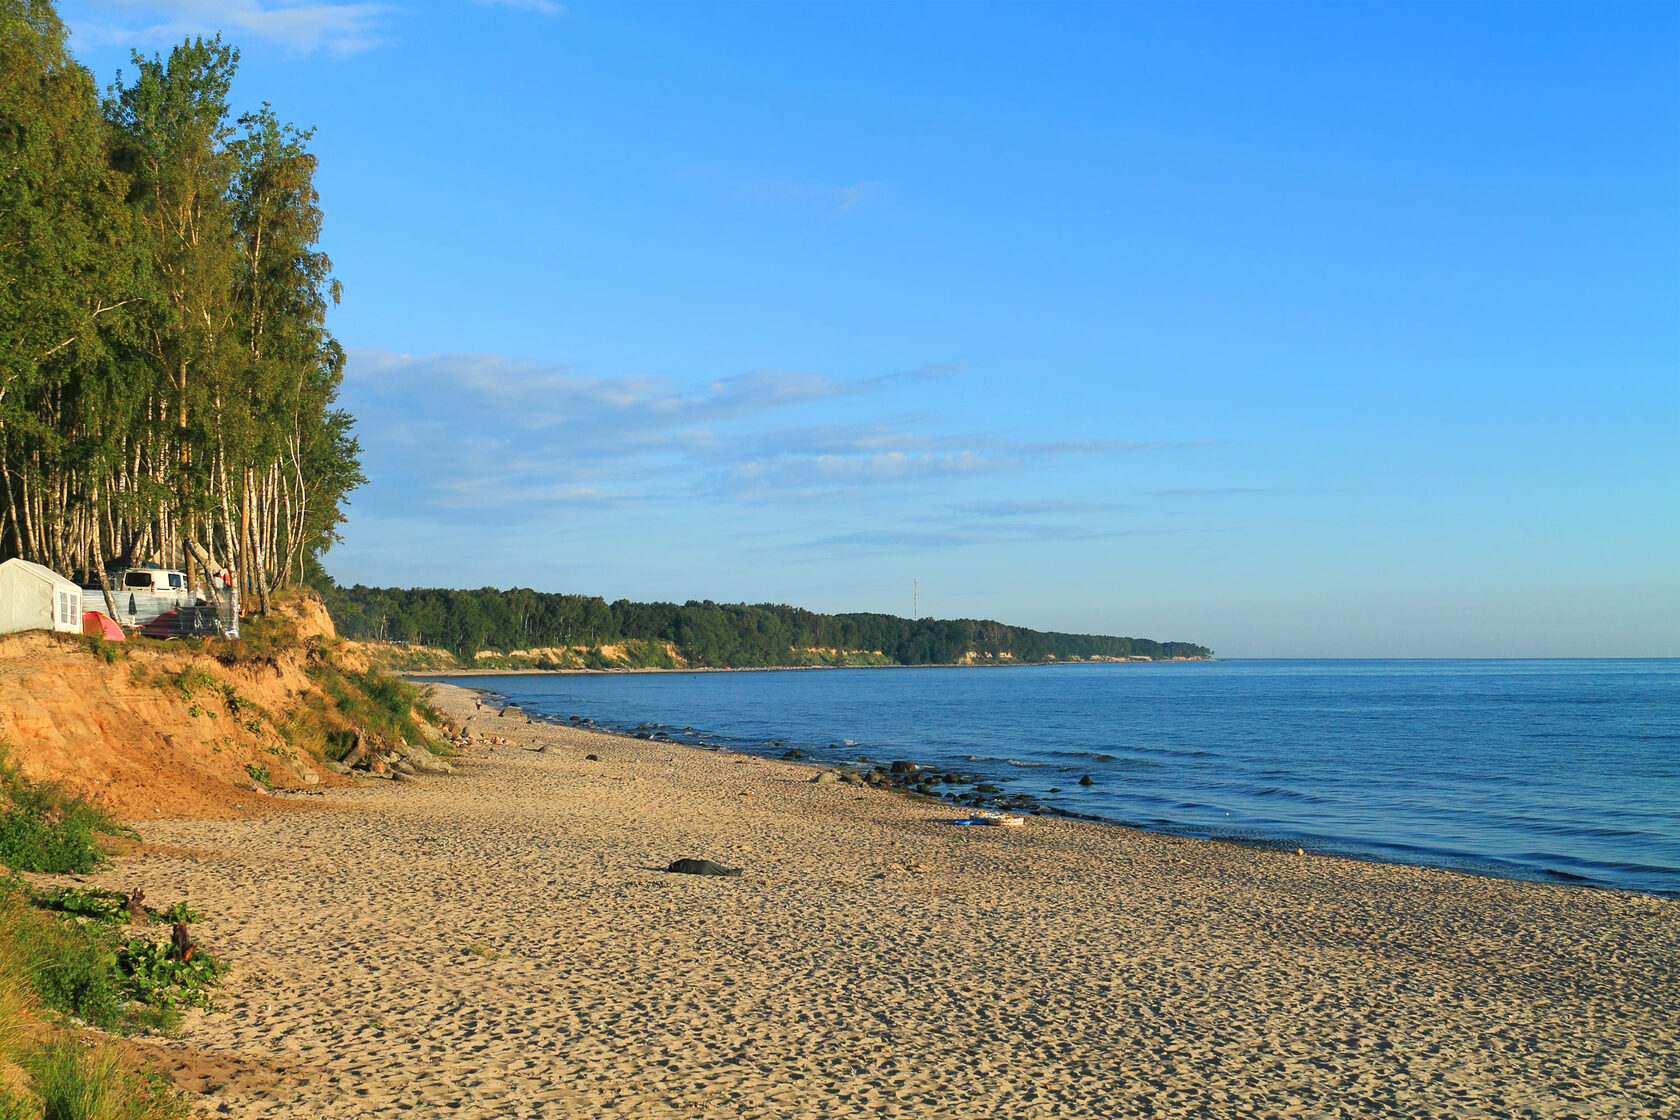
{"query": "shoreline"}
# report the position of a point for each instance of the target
(436, 675)
(506, 940)
(1484, 867)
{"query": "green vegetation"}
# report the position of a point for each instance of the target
(70, 1082)
(169, 385)
(70, 951)
(731, 635)
(42, 828)
(87, 904)
(153, 974)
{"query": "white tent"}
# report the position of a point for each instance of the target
(37, 598)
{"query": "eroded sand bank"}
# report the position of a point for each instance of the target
(504, 942)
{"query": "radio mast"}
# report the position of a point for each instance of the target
(915, 600)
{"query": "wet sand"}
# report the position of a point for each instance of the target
(505, 942)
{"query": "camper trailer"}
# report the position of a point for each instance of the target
(161, 603)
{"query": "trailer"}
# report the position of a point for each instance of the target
(160, 603)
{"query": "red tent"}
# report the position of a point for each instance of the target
(99, 626)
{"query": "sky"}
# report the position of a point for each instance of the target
(1292, 330)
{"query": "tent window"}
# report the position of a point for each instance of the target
(63, 607)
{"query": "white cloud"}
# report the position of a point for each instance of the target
(494, 445)
(339, 28)
(541, 7)
(748, 191)
(847, 199)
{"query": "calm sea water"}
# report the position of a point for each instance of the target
(1561, 770)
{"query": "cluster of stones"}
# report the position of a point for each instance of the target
(910, 777)
(379, 760)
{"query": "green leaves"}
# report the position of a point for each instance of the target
(153, 974)
(167, 381)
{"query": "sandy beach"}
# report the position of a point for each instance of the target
(506, 942)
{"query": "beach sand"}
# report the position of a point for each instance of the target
(505, 942)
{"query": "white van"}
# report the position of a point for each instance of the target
(159, 581)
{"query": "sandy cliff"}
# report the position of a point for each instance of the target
(149, 729)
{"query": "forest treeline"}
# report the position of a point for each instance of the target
(167, 381)
(723, 635)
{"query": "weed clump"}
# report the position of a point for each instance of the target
(44, 828)
(70, 1082)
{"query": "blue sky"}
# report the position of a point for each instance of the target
(1295, 330)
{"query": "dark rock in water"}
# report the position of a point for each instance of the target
(793, 752)
(1086, 781)
(1054, 789)
(643, 735)
(903, 767)
(988, 789)
(701, 867)
(592, 758)
(575, 719)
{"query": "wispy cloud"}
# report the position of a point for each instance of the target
(541, 7)
(1035, 508)
(482, 440)
(747, 191)
(847, 199)
(929, 539)
(338, 28)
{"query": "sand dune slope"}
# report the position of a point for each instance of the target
(505, 943)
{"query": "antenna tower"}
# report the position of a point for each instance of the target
(915, 600)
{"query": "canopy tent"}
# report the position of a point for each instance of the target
(36, 598)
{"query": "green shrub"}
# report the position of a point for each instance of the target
(152, 976)
(339, 744)
(43, 828)
(75, 963)
(388, 708)
(70, 967)
(259, 774)
(109, 652)
(89, 904)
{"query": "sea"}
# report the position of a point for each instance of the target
(1556, 770)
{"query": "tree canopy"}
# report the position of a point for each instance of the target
(168, 385)
(732, 635)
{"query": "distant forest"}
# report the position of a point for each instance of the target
(708, 634)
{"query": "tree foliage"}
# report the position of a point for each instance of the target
(733, 635)
(167, 381)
